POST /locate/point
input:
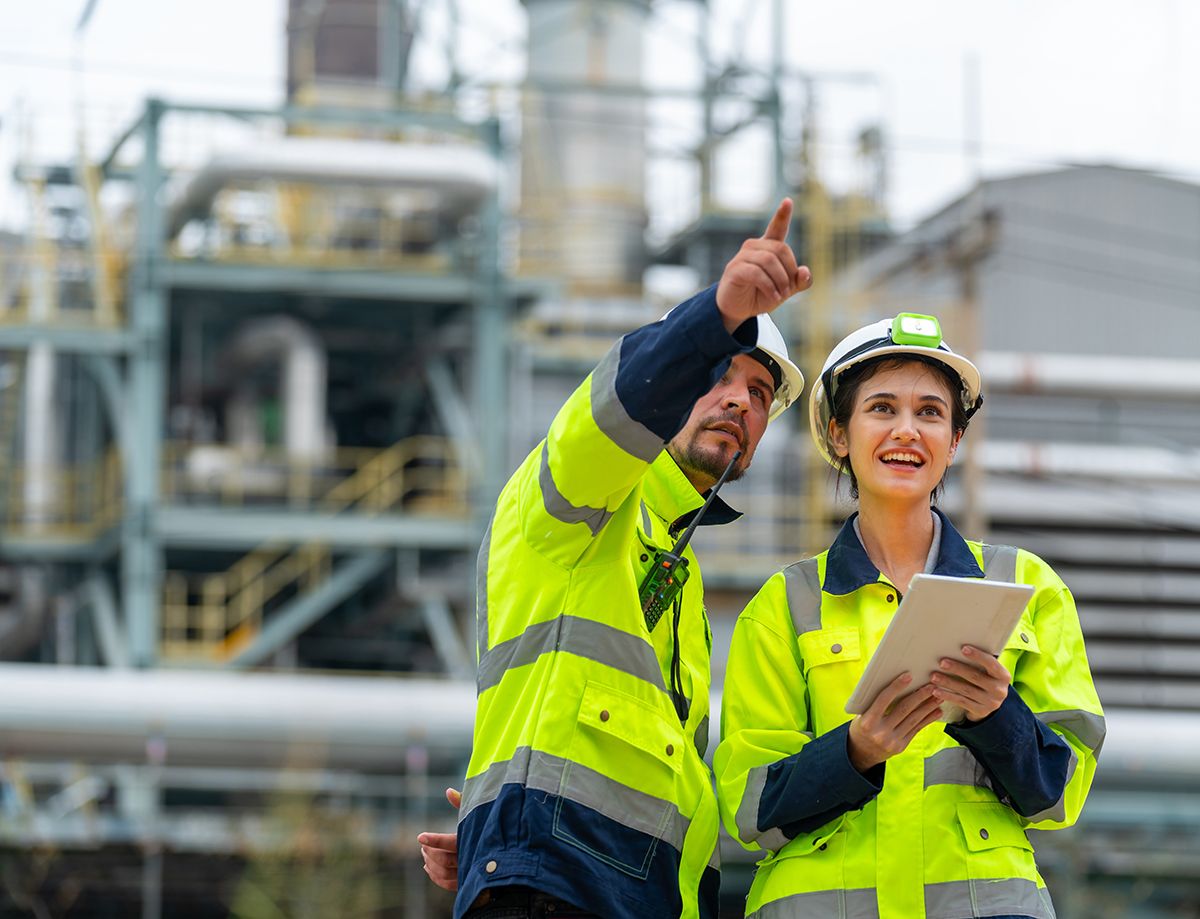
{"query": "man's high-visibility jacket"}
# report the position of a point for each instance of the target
(937, 831)
(583, 782)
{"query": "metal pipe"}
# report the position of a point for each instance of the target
(303, 383)
(1116, 376)
(1091, 461)
(229, 719)
(458, 176)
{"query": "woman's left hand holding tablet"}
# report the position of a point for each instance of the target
(978, 687)
(892, 721)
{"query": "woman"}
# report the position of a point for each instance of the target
(891, 813)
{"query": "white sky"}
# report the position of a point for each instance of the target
(1060, 80)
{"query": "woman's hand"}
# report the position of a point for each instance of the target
(888, 726)
(978, 688)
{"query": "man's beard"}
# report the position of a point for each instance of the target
(709, 461)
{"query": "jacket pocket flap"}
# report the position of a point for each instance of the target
(829, 646)
(627, 718)
(986, 826)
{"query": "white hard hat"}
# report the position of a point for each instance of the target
(908, 334)
(772, 352)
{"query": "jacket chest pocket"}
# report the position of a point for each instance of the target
(833, 662)
(624, 768)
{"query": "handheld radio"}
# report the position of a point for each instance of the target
(669, 572)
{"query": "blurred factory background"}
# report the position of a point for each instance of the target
(262, 372)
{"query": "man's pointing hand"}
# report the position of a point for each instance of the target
(763, 274)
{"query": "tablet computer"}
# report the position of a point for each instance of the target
(937, 616)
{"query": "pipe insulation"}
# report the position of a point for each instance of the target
(458, 178)
(303, 379)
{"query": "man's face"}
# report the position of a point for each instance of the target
(730, 416)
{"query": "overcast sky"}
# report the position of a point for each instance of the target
(1060, 81)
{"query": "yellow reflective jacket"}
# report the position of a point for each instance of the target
(939, 830)
(583, 781)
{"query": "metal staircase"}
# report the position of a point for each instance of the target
(217, 617)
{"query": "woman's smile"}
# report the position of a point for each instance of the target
(900, 438)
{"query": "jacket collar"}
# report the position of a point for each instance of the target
(669, 493)
(847, 566)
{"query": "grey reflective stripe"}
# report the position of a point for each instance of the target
(1015, 896)
(1058, 810)
(558, 776)
(950, 900)
(1000, 563)
(560, 508)
(1087, 728)
(481, 598)
(747, 813)
(610, 416)
(647, 523)
(804, 595)
(485, 787)
(822, 904)
(596, 641)
(955, 766)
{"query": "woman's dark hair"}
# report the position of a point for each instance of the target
(846, 393)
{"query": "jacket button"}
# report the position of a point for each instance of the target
(824, 846)
(1024, 638)
(891, 597)
(836, 649)
(604, 715)
(983, 834)
(645, 558)
(670, 749)
(491, 867)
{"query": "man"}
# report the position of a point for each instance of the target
(587, 793)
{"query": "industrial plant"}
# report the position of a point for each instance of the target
(264, 371)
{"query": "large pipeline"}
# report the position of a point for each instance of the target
(263, 719)
(229, 719)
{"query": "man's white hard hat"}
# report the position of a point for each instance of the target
(918, 335)
(790, 381)
(770, 350)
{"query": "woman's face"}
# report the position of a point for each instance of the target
(899, 437)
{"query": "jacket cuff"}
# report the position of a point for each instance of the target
(705, 327)
(1001, 730)
(664, 367)
(816, 785)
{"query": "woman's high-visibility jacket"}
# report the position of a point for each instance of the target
(583, 781)
(937, 831)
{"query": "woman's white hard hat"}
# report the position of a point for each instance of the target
(909, 334)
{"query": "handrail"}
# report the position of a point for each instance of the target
(233, 603)
(79, 501)
(419, 472)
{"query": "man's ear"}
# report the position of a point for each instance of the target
(838, 439)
